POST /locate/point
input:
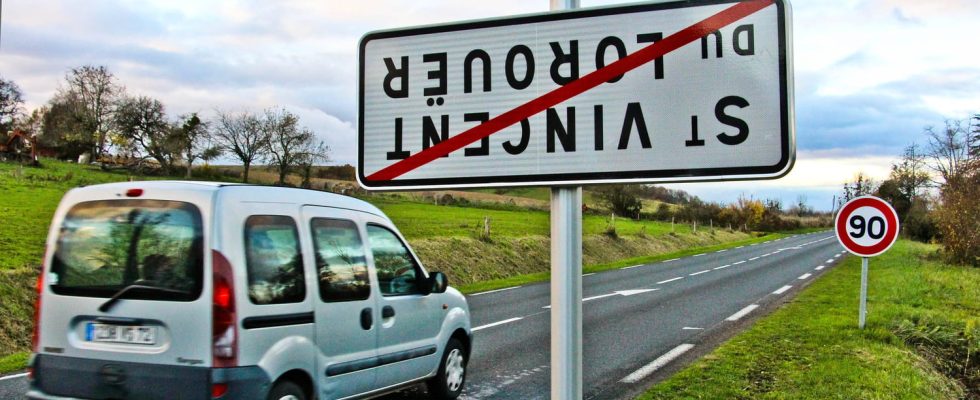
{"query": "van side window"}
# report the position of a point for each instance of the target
(395, 265)
(341, 270)
(273, 260)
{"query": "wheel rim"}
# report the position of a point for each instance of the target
(455, 370)
(289, 397)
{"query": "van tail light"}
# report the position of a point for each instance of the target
(224, 329)
(218, 390)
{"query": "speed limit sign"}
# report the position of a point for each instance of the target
(867, 226)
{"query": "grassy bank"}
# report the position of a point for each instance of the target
(922, 339)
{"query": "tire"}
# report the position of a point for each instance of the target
(448, 382)
(287, 390)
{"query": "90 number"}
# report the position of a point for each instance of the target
(868, 226)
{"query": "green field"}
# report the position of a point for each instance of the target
(922, 339)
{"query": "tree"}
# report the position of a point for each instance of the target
(11, 103)
(287, 141)
(316, 152)
(948, 149)
(143, 128)
(624, 200)
(243, 136)
(802, 209)
(974, 133)
(861, 186)
(91, 93)
(191, 139)
(62, 128)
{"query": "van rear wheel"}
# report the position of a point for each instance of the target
(287, 390)
(448, 382)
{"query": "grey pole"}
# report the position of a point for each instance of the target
(566, 293)
(864, 292)
(566, 281)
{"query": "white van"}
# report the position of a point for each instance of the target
(190, 290)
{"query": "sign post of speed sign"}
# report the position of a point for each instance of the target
(866, 226)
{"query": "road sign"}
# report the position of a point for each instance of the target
(677, 91)
(866, 226)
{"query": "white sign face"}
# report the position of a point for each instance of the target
(685, 91)
(867, 226)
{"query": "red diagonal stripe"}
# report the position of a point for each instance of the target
(596, 78)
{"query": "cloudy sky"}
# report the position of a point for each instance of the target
(870, 74)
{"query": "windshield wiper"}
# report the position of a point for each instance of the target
(118, 296)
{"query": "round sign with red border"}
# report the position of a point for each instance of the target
(866, 226)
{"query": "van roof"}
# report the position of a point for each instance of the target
(257, 193)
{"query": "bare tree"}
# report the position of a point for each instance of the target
(243, 136)
(191, 138)
(286, 141)
(94, 90)
(11, 103)
(315, 153)
(862, 185)
(948, 149)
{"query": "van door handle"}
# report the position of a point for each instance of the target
(367, 321)
(387, 312)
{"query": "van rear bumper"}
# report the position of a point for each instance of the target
(63, 378)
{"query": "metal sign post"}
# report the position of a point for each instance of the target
(864, 292)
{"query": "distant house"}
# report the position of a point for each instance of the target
(22, 146)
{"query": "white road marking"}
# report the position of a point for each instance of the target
(829, 260)
(739, 247)
(506, 321)
(782, 289)
(691, 328)
(699, 272)
(721, 251)
(819, 267)
(753, 258)
(672, 259)
(598, 297)
(743, 312)
(698, 255)
(836, 255)
(723, 266)
(806, 275)
(740, 262)
(766, 255)
(670, 280)
(633, 266)
(3, 378)
(495, 291)
(661, 361)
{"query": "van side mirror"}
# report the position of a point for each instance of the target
(439, 282)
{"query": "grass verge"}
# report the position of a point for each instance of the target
(13, 362)
(524, 279)
(921, 340)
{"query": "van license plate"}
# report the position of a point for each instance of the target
(121, 334)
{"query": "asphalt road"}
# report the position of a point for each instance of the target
(640, 323)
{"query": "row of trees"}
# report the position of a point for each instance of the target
(935, 189)
(92, 113)
(676, 205)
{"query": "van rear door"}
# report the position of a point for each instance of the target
(124, 296)
(347, 324)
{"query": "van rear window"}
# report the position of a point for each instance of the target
(105, 246)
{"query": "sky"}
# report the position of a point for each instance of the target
(870, 75)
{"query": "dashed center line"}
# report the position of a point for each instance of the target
(700, 272)
(490, 325)
(670, 280)
(782, 289)
(806, 275)
(723, 266)
(830, 260)
(743, 312)
(740, 262)
(661, 361)
(819, 267)
(753, 258)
